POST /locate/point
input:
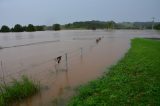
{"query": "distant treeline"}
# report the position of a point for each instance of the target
(138, 25)
(93, 25)
(112, 25)
(29, 28)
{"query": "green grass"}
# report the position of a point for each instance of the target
(133, 81)
(17, 90)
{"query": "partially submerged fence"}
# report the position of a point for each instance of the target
(60, 62)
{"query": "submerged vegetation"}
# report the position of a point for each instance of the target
(135, 80)
(17, 90)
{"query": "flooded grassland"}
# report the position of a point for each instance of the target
(83, 59)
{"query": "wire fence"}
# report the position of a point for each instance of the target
(58, 63)
(29, 44)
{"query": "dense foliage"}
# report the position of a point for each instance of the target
(18, 28)
(157, 26)
(5, 28)
(39, 28)
(93, 25)
(56, 27)
(109, 25)
(134, 81)
(30, 28)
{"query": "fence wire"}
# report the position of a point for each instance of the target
(62, 65)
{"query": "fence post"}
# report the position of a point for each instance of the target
(66, 61)
(3, 76)
(81, 53)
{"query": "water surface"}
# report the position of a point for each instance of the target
(34, 53)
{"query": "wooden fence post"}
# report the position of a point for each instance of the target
(66, 61)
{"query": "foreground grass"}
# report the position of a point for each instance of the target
(17, 91)
(135, 80)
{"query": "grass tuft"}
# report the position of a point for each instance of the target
(17, 90)
(135, 80)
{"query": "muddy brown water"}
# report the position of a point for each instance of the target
(34, 54)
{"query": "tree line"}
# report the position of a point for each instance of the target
(112, 25)
(29, 28)
(157, 26)
(93, 25)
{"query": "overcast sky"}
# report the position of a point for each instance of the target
(48, 12)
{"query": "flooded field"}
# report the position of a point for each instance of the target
(82, 59)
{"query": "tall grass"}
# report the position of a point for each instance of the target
(17, 90)
(134, 81)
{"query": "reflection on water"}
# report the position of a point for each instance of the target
(82, 59)
(31, 36)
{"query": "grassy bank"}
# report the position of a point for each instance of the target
(17, 91)
(135, 80)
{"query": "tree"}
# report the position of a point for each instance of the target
(89, 25)
(18, 28)
(157, 27)
(24, 28)
(39, 28)
(12, 29)
(56, 27)
(31, 28)
(5, 28)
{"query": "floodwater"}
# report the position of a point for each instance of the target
(83, 59)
